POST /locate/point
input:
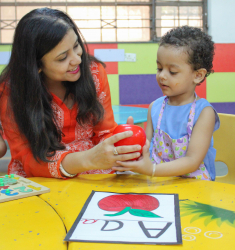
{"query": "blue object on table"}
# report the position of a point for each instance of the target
(121, 113)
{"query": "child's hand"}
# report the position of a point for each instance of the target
(130, 120)
(142, 166)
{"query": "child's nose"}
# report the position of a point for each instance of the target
(162, 75)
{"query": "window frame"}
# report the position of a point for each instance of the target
(152, 4)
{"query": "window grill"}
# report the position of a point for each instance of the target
(112, 20)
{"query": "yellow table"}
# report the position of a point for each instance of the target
(30, 224)
(207, 208)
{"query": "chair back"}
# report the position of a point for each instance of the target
(224, 141)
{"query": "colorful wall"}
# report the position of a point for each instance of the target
(134, 83)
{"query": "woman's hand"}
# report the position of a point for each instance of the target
(102, 155)
(142, 166)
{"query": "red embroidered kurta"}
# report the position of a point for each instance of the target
(75, 137)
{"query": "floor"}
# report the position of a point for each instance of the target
(221, 168)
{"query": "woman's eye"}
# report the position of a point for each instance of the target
(76, 46)
(62, 59)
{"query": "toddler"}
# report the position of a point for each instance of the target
(180, 124)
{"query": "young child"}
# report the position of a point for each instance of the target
(180, 124)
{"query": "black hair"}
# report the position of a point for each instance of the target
(195, 42)
(37, 33)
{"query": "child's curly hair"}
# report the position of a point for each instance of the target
(196, 43)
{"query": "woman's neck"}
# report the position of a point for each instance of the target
(59, 90)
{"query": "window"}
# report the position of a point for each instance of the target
(112, 20)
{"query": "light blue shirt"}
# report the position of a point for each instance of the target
(174, 123)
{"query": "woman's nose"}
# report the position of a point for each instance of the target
(76, 59)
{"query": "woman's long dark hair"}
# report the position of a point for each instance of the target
(37, 33)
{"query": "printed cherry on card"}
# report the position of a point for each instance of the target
(128, 218)
(137, 205)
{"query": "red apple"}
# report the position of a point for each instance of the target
(138, 137)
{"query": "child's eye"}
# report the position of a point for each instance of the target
(159, 69)
(173, 73)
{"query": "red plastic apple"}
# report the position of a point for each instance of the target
(138, 137)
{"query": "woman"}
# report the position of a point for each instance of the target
(55, 108)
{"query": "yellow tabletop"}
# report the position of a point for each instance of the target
(30, 224)
(207, 208)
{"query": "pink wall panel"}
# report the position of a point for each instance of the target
(111, 67)
(224, 60)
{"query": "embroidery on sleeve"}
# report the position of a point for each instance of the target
(101, 97)
(95, 72)
(52, 166)
(101, 133)
(97, 83)
(75, 146)
(83, 132)
(79, 146)
(59, 115)
(94, 67)
(16, 167)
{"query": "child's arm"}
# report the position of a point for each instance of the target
(3, 147)
(197, 150)
(149, 128)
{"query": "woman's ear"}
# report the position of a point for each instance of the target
(200, 75)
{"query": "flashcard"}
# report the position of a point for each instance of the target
(142, 218)
(14, 187)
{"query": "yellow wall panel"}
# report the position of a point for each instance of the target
(221, 87)
(146, 56)
(114, 88)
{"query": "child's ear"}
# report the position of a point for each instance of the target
(199, 75)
